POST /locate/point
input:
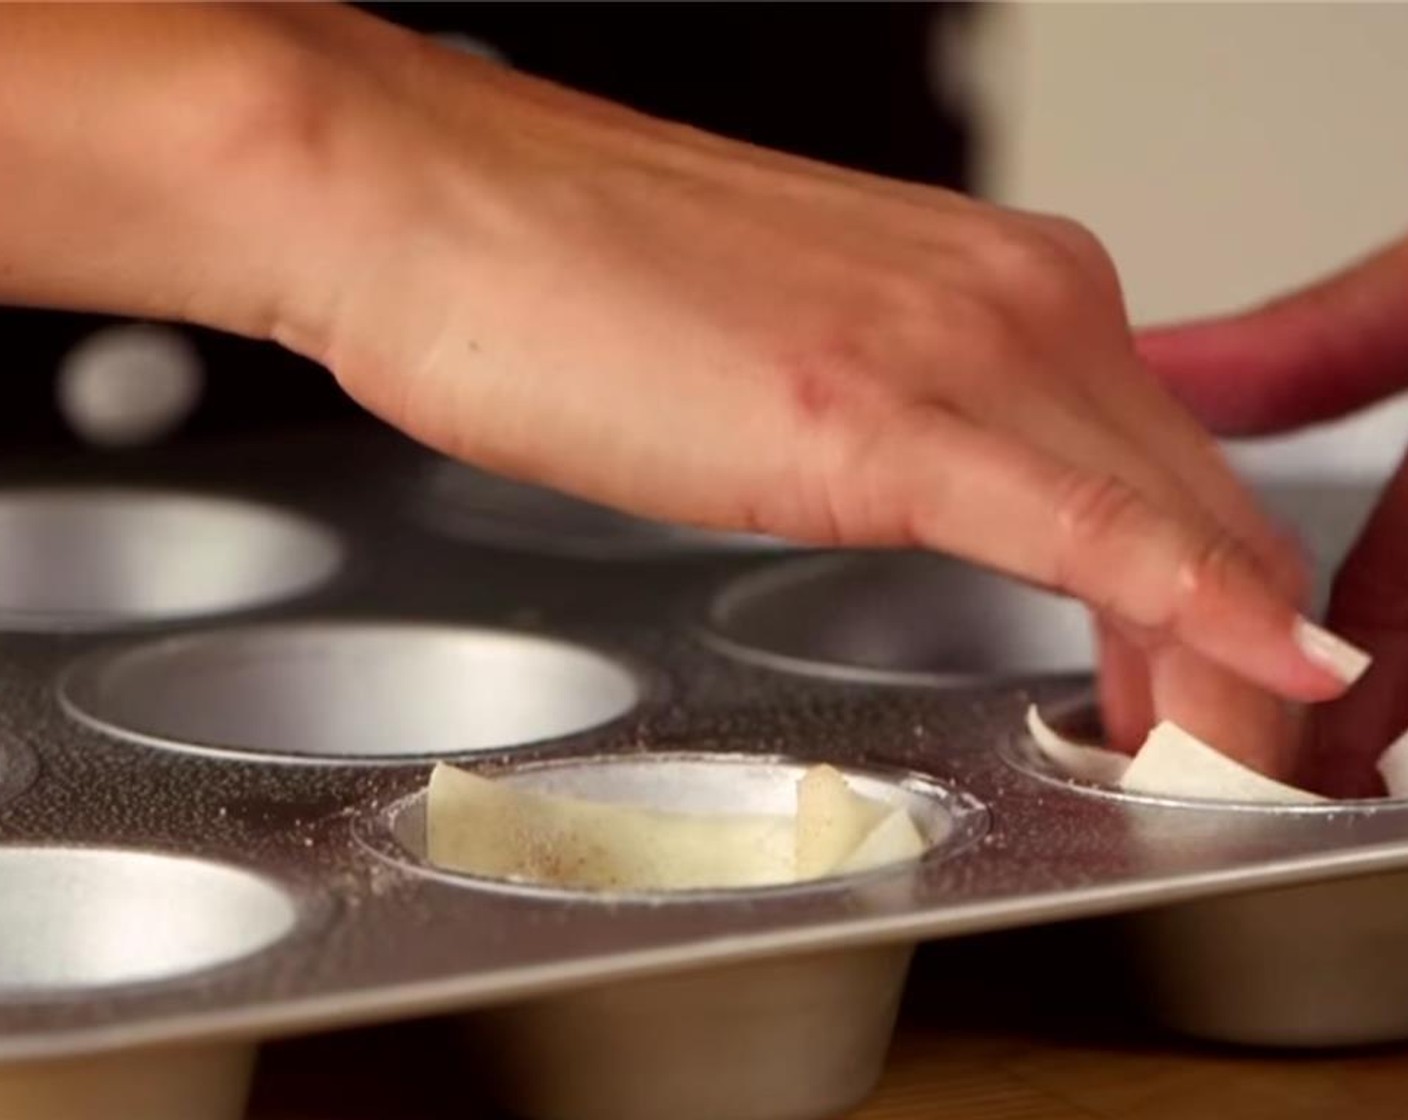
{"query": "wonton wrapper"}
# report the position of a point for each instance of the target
(840, 832)
(894, 840)
(1171, 763)
(832, 821)
(1082, 761)
(1393, 767)
(489, 828)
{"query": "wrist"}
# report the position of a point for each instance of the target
(167, 184)
(268, 181)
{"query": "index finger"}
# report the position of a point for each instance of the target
(1168, 576)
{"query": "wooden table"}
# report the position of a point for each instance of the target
(1014, 1027)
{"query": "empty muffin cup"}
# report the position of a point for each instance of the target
(80, 922)
(88, 559)
(350, 692)
(1313, 965)
(477, 507)
(794, 1038)
(897, 618)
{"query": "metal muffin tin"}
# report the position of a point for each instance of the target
(95, 558)
(350, 691)
(147, 746)
(856, 617)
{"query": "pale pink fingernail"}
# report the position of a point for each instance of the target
(1331, 652)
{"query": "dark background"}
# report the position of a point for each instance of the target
(844, 82)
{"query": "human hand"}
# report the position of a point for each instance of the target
(666, 321)
(693, 329)
(1314, 355)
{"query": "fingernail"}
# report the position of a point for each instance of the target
(1331, 652)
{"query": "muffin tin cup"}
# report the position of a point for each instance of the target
(692, 782)
(80, 559)
(896, 618)
(86, 923)
(348, 692)
(180, 1083)
(80, 920)
(1321, 964)
(798, 1038)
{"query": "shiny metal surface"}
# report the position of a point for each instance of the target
(792, 1039)
(798, 1038)
(91, 558)
(75, 919)
(180, 1083)
(694, 783)
(17, 770)
(897, 618)
(1312, 966)
(394, 941)
(1308, 966)
(349, 691)
(477, 507)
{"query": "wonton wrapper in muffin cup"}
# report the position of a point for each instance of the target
(1171, 763)
(498, 830)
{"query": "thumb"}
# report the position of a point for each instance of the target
(1303, 358)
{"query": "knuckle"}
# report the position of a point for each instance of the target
(1093, 513)
(907, 294)
(979, 328)
(1093, 506)
(1032, 268)
(1211, 562)
(1082, 245)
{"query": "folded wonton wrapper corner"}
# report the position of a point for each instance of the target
(1084, 762)
(483, 827)
(831, 821)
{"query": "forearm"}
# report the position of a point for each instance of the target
(146, 161)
